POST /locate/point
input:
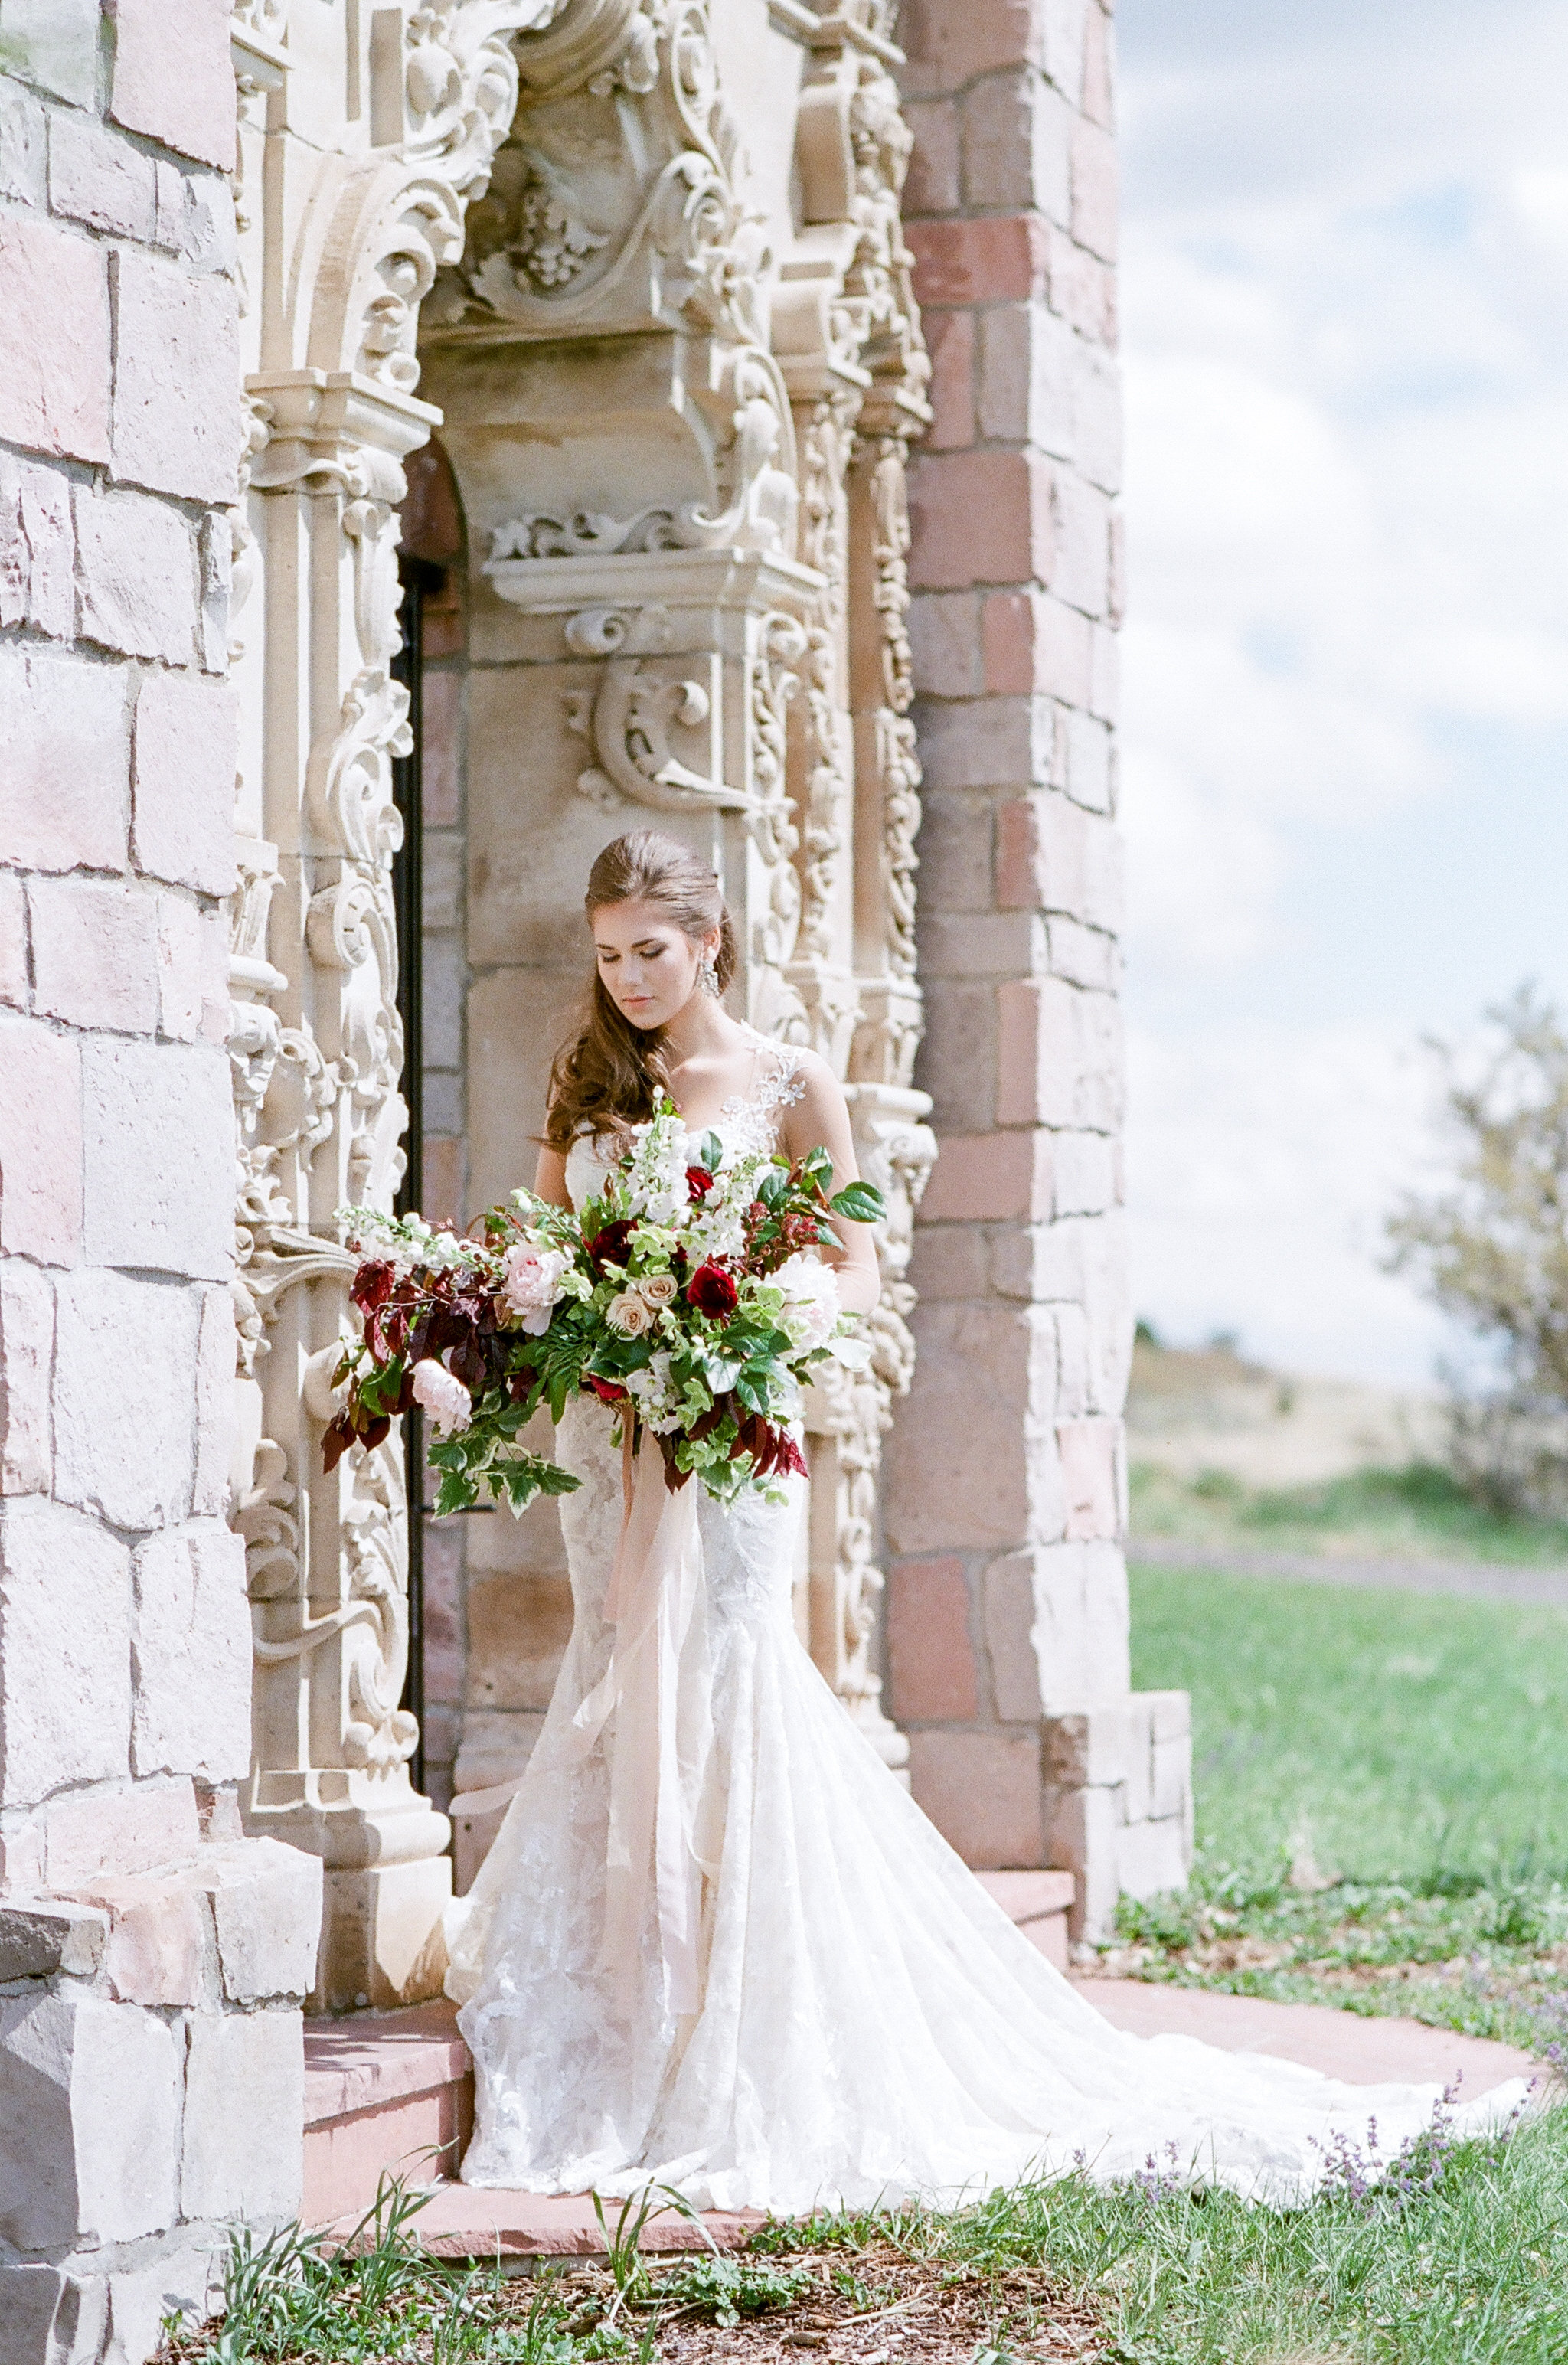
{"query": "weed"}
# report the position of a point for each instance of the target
(727, 2287)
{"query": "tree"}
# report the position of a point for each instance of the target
(1492, 1250)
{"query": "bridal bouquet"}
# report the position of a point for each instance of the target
(686, 1294)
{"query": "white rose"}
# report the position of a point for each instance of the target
(628, 1315)
(531, 1286)
(445, 1399)
(811, 1304)
(658, 1290)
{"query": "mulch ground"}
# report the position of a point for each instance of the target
(869, 2306)
(880, 2307)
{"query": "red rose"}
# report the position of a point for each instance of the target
(712, 1291)
(609, 1246)
(608, 1391)
(699, 1183)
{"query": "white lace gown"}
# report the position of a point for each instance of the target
(871, 2026)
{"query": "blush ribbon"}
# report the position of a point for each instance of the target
(656, 1688)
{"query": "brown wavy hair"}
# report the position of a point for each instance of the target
(607, 1079)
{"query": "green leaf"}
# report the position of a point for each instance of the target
(859, 1203)
(613, 1358)
(773, 1187)
(753, 1397)
(708, 1153)
(457, 1492)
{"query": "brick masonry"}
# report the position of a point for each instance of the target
(1005, 1495)
(151, 1959)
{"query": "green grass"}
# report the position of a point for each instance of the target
(1382, 1786)
(1472, 2272)
(1417, 1513)
(1459, 2257)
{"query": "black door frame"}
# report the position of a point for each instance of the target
(419, 579)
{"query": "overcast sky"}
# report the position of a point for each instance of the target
(1345, 305)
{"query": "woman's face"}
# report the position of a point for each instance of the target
(649, 966)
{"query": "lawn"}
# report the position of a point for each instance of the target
(1415, 1513)
(1462, 2259)
(1382, 1800)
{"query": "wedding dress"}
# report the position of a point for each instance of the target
(867, 2026)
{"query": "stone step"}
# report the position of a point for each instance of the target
(385, 2092)
(466, 2222)
(1038, 1904)
(392, 2093)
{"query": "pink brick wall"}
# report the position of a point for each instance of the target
(1006, 1595)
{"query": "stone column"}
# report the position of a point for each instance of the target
(1008, 1623)
(152, 1959)
(363, 137)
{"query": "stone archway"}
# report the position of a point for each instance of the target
(709, 625)
(685, 605)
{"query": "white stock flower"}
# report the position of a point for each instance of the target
(531, 1286)
(628, 1315)
(657, 1184)
(445, 1399)
(812, 1304)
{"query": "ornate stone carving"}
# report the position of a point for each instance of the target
(460, 82)
(628, 719)
(350, 239)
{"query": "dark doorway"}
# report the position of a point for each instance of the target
(430, 550)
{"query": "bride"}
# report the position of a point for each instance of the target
(862, 2024)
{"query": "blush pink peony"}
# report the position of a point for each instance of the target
(530, 1287)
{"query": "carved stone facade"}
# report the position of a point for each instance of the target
(642, 266)
(678, 392)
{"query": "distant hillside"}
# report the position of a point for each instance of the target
(1191, 1409)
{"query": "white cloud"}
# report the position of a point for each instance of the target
(1259, 1168)
(1348, 515)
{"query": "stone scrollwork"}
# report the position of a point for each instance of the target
(460, 82)
(628, 719)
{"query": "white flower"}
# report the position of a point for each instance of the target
(628, 1315)
(811, 1302)
(656, 1182)
(445, 1399)
(657, 1289)
(531, 1286)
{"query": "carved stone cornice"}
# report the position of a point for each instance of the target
(336, 427)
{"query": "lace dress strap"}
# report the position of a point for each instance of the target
(755, 1114)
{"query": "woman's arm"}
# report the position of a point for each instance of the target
(819, 1118)
(549, 1177)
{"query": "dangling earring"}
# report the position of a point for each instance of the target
(709, 976)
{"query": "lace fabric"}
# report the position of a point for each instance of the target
(871, 2026)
